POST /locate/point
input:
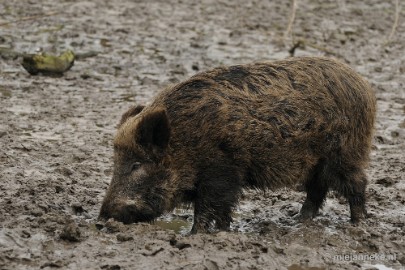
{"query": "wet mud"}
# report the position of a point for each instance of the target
(56, 132)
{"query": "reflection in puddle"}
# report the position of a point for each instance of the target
(180, 221)
(177, 225)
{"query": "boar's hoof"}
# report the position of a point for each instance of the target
(307, 212)
(358, 213)
(199, 228)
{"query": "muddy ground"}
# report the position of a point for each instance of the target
(56, 133)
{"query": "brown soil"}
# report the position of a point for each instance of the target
(56, 133)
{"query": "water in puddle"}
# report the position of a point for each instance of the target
(177, 225)
(180, 221)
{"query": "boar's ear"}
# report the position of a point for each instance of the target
(153, 130)
(131, 112)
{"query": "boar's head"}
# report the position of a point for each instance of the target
(139, 189)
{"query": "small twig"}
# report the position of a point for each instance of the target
(396, 19)
(30, 18)
(80, 56)
(291, 20)
(295, 46)
(301, 43)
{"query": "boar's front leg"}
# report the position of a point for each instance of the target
(316, 187)
(217, 192)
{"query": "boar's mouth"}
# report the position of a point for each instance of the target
(127, 212)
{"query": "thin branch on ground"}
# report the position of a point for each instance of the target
(30, 18)
(396, 19)
(302, 43)
(291, 20)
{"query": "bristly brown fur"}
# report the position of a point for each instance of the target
(130, 113)
(262, 125)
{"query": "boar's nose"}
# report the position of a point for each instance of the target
(126, 211)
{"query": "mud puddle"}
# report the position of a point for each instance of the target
(180, 221)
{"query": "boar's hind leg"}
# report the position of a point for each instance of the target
(347, 180)
(316, 187)
(216, 196)
(352, 186)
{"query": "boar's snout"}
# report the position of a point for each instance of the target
(126, 211)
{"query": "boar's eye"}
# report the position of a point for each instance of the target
(135, 166)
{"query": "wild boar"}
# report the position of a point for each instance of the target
(267, 125)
